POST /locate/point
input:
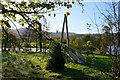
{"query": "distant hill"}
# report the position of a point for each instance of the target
(59, 33)
(95, 35)
(22, 30)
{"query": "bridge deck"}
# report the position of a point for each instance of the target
(75, 56)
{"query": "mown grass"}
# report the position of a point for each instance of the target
(24, 65)
(100, 61)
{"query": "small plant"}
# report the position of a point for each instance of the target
(56, 60)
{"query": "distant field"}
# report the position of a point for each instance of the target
(20, 65)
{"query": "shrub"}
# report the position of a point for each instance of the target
(56, 60)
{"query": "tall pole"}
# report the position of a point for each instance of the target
(65, 21)
(67, 32)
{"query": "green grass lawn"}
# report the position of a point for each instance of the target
(20, 65)
(100, 62)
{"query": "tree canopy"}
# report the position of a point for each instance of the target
(30, 10)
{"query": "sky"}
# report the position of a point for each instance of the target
(79, 17)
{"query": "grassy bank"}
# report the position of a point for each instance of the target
(100, 62)
(20, 65)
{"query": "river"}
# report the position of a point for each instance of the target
(32, 49)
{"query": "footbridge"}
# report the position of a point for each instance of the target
(74, 55)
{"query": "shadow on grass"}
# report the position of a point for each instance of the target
(72, 73)
(14, 67)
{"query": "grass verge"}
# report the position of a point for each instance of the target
(24, 65)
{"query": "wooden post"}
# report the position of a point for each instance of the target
(67, 34)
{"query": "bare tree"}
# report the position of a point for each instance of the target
(113, 24)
